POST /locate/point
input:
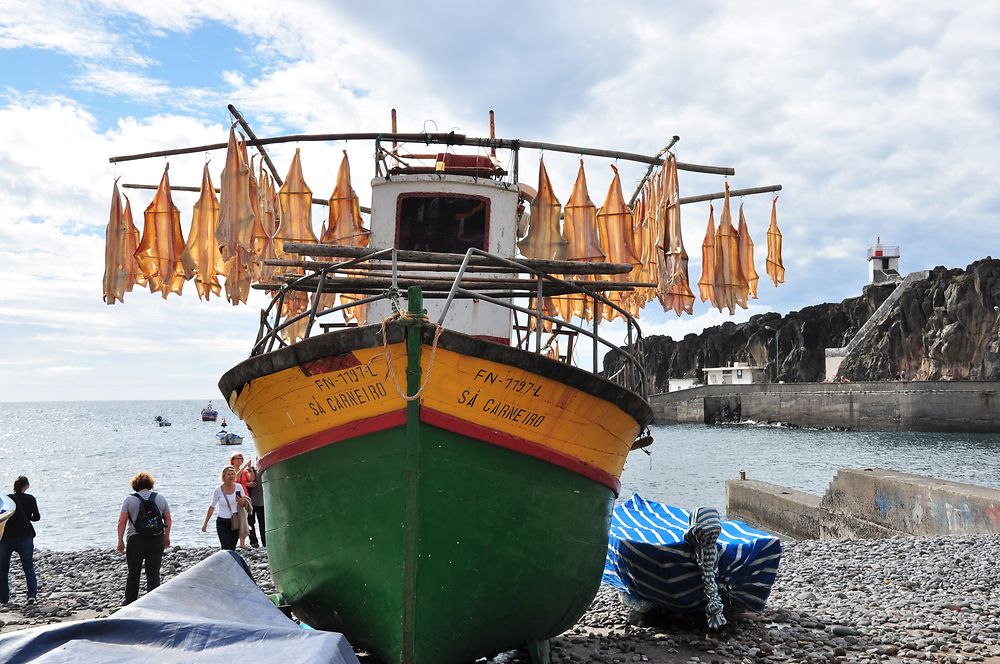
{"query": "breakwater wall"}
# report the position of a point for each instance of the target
(967, 406)
(867, 504)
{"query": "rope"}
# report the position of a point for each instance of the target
(702, 534)
(406, 316)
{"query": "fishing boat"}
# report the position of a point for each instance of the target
(161, 421)
(209, 414)
(228, 438)
(439, 472)
(7, 509)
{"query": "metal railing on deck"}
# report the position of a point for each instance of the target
(631, 374)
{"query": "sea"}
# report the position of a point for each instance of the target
(80, 456)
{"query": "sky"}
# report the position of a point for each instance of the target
(879, 119)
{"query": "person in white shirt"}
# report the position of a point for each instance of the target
(226, 499)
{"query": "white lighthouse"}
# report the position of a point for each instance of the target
(883, 263)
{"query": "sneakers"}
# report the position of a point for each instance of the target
(31, 600)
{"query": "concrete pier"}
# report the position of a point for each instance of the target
(964, 406)
(867, 504)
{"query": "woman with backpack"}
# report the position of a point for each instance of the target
(19, 536)
(143, 533)
(227, 498)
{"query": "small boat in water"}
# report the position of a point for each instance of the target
(662, 557)
(7, 509)
(209, 414)
(162, 421)
(228, 437)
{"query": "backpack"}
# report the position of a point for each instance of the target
(149, 522)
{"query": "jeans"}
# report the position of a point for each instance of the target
(141, 550)
(227, 536)
(25, 547)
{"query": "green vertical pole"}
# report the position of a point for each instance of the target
(414, 331)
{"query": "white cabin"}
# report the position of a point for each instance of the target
(448, 214)
(740, 373)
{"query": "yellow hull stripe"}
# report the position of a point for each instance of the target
(289, 405)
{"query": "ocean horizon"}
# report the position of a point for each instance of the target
(80, 456)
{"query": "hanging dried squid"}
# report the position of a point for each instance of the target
(115, 238)
(135, 275)
(580, 223)
(673, 287)
(269, 223)
(750, 275)
(295, 198)
(159, 251)
(706, 284)
(614, 223)
(236, 217)
(730, 286)
(775, 268)
(201, 258)
(544, 240)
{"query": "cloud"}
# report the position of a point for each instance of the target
(66, 370)
(878, 119)
(66, 27)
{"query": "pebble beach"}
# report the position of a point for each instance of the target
(894, 600)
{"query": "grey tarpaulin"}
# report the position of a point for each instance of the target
(213, 612)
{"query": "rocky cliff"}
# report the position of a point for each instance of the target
(944, 327)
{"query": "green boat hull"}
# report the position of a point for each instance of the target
(503, 549)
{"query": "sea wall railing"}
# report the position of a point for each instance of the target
(323, 277)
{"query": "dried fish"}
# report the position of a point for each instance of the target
(746, 256)
(238, 271)
(614, 223)
(295, 303)
(115, 238)
(201, 258)
(159, 251)
(673, 286)
(775, 268)
(344, 225)
(295, 199)
(706, 284)
(730, 287)
(544, 239)
(236, 216)
(580, 223)
(269, 222)
(135, 275)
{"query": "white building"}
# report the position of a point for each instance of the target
(674, 384)
(740, 373)
(883, 263)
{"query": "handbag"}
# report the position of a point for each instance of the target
(234, 520)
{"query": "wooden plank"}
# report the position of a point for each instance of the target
(732, 194)
(176, 187)
(440, 139)
(552, 267)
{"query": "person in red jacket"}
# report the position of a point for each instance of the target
(246, 477)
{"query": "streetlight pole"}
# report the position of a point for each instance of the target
(776, 331)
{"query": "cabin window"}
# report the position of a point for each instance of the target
(885, 263)
(446, 224)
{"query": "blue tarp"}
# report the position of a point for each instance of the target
(213, 612)
(649, 560)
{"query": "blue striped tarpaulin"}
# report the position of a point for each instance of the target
(649, 560)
